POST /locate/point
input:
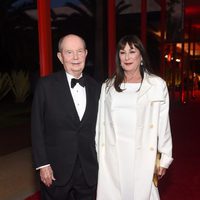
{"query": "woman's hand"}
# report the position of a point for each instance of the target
(161, 171)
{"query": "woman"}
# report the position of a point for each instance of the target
(133, 125)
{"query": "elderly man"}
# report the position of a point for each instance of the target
(64, 115)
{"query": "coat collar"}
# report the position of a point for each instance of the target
(149, 82)
(145, 85)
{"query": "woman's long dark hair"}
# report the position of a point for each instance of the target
(119, 73)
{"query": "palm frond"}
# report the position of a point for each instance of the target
(4, 85)
(20, 85)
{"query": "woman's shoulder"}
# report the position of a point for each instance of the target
(155, 79)
(108, 82)
(107, 85)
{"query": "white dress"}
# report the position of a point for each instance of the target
(124, 107)
(127, 147)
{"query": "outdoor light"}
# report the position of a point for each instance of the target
(178, 60)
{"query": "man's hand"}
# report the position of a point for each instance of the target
(46, 175)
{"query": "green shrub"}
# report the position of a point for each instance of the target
(4, 84)
(20, 85)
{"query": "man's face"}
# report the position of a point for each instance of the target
(73, 55)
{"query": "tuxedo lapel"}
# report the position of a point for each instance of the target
(68, 102)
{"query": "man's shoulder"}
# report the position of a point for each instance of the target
(49, 80)
(92, 83)
(91, 80)
(53, 76)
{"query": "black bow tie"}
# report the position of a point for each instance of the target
(74, 81)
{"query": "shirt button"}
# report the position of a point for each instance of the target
(151, 126)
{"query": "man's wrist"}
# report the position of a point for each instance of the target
(42, 166)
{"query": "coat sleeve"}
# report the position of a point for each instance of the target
(37, 127)
(164, 137)
(100, 137)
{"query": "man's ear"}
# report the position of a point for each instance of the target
(86, 52)
(60, 57)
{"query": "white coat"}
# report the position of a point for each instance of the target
(152, 134)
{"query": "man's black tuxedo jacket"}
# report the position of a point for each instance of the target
(58, 135)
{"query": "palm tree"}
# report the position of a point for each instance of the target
(88, 7)
(122, 6)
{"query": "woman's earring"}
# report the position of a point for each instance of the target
(141, 63)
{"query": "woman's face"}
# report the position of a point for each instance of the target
(130, 59)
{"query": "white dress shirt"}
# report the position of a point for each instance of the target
(79, 96)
